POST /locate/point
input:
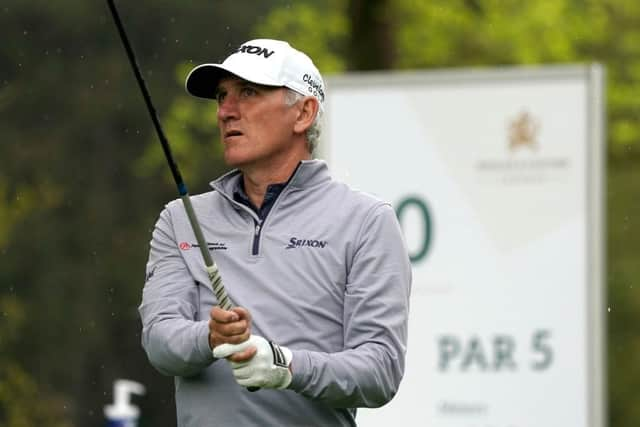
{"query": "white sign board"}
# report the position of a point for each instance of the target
(496, 177)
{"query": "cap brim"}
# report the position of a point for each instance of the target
(203, 80)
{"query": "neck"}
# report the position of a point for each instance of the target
(256, 179)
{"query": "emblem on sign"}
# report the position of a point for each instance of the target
(523, 131)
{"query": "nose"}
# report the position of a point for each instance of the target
(228, 108)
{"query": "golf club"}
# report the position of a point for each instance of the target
(214, 275)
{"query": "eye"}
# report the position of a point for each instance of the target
(247, 91)
(220, 95)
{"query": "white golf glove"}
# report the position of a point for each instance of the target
(268, 368)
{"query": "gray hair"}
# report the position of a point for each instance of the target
(313, 133)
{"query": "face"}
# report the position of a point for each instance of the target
(256, 125)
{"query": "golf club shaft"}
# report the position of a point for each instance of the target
(212, 269)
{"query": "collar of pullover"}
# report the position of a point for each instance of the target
(308, 174)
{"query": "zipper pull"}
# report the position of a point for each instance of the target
(258, 225)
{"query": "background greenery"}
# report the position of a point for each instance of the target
(82, 178)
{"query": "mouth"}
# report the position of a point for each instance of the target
(232, 133)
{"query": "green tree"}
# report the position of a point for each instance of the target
(322, 39)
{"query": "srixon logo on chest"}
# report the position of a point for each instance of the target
(255, 50)
(294, 243)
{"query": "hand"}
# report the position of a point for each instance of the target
(230, 327)
(268, 368)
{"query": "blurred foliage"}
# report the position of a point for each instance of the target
(195, 143)
(22, 402)
(22, 201)
(623, 252)
(318, 30)
(82, 176)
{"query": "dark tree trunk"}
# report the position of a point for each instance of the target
(372, 46)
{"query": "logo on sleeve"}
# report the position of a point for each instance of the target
(213, 246)
(295, 243)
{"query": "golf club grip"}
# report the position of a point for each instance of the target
(212, 269)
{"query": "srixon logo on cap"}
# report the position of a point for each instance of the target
(255, 50)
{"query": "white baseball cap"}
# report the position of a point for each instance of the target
(262, 61)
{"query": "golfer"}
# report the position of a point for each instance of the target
(319, 271)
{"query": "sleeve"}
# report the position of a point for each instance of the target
(175, 342)
(368, 371)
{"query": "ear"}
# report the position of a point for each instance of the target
(307, 114)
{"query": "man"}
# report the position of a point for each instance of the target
(320, 272)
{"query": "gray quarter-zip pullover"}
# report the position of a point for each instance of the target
(326, 273)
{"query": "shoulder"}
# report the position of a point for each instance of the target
(360, 200)
(203, 203)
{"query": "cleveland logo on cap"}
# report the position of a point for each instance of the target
(314, 87)
(255, 50)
